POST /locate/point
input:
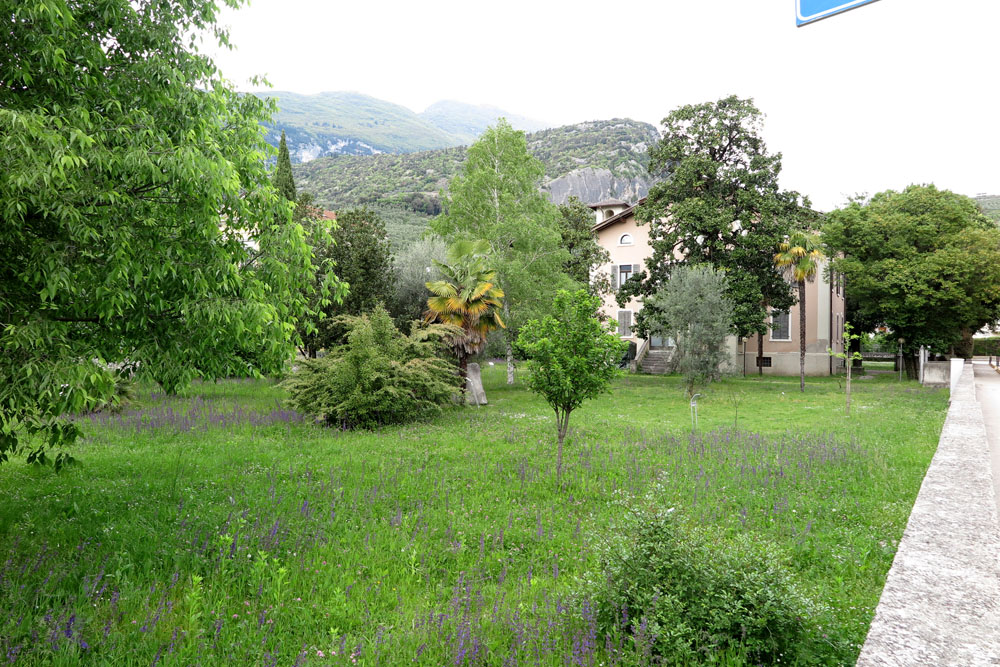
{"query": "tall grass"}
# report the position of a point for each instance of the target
(217, 527)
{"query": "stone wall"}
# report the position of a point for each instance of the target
(941, 601)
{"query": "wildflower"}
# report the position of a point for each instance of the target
(320, 654)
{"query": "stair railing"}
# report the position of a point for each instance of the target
(640, 354)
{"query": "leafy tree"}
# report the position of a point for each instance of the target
(719, 204)
(497, 198)
(925, 262)
(138, 220)
(695, 310)
(378, 377)
(358, 248)
(466, 297)
(572, 357)
(578, 238)
(414, 268)
(283, 181)
(800, 257)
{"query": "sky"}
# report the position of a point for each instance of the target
(891, 93)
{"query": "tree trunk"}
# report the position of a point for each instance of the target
(848, 409)
(802, 335)
(562, 425)
(510, 345)
(912, 366)
(510, 362)
(463, 372)
(760, 354)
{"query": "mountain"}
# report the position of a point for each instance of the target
(990, 206)
(351, 124)
(468, 121)
(339, 123)
(593, 161)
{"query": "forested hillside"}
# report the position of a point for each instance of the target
(593, 161)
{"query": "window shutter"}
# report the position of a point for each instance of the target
(622, 324)
(614, 277)
(635, 269)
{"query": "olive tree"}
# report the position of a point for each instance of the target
(694, 309)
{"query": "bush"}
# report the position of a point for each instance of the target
(378, 377)
(686, 595)
(985, 347)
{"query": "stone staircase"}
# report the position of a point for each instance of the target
(656, 361)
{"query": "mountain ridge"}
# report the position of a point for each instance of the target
(349, 123)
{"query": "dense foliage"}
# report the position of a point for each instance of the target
(572, 357)
(283, 180)
(721, 205)
(692, 596)
(378, 377)
(924, 262)
(585, 254)
(497, 199)
(414, 267)
(694, 309)
(358, 250)
(138, 219)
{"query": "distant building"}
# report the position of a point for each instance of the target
(628, 244)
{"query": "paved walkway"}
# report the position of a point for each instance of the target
(941, 601)
(988, 394)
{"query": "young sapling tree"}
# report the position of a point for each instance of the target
(572, 357)
(848, 357)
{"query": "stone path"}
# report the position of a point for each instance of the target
(941, 601)
(988, 393)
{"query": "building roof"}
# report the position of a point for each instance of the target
(608, 202)
(618, 217)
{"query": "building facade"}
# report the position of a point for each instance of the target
(627, 242)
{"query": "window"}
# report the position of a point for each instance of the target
(763, 362)
(626, 239)
(781, 326)
(624, 273)
(608, 213)
(625, 323)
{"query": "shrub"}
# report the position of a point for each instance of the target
(984, 347)
(687, 595)
(378, 377)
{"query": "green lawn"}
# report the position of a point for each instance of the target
(217, 527)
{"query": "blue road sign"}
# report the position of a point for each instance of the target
(810, 11)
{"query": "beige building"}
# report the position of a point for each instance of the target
(628, 244)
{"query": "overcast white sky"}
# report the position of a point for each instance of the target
(892, 93)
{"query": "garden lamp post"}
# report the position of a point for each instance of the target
(899, 355)
(694, 412)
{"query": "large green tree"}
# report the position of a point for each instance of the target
(139, 223)
(357, 248)
(497, 198)
(585, 254)
(925, 262)
(719, 203)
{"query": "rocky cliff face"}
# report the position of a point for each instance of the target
(592, 185)
(305, 146)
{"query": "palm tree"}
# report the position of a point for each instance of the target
(467, 297)
(800, 257)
